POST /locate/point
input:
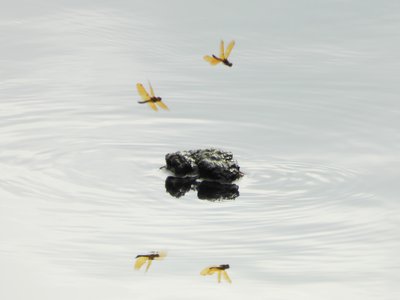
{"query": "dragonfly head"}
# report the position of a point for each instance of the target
(224, 267)
(158, 98)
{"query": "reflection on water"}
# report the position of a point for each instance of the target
(220, 270)
(206, 190)
(310, 110)
(142, 259)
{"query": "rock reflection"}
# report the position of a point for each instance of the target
(206, 190)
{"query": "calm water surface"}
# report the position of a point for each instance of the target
(310, 110)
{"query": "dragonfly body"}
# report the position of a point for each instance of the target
(223, 55)
(151, 99)
(141, 259)
(221, 267)
(224, 61)
(220, 270)
(149, 256)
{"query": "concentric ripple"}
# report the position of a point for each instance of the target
(312, 119)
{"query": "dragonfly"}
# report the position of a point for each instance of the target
(220, 270)
(141, 259)
(223, 55)
(151, 99)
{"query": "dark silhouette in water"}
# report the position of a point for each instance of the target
(213, 190)
(206, 190)
(179, 186)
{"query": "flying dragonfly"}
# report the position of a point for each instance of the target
(217, 269)
(223, 55)
(141, 259)
(151, 100)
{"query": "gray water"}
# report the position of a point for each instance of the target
(310, 110)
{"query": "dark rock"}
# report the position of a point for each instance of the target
(180, 163)
(212, 164)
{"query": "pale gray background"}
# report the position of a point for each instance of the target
(310, 109)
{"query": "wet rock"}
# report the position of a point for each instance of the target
(181, 163)
(212, 164)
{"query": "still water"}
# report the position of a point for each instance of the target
(310, 110)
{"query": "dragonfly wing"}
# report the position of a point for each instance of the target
(162, 105)
(149, 264)
(229, 49)
(151, 90)
(226, 277)
(219, 276)
(211, 60)
(221, 50)
(142, 92)
(152, 105)
(162, 254)
(140, 262)
(208, 271)
(205, 271)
